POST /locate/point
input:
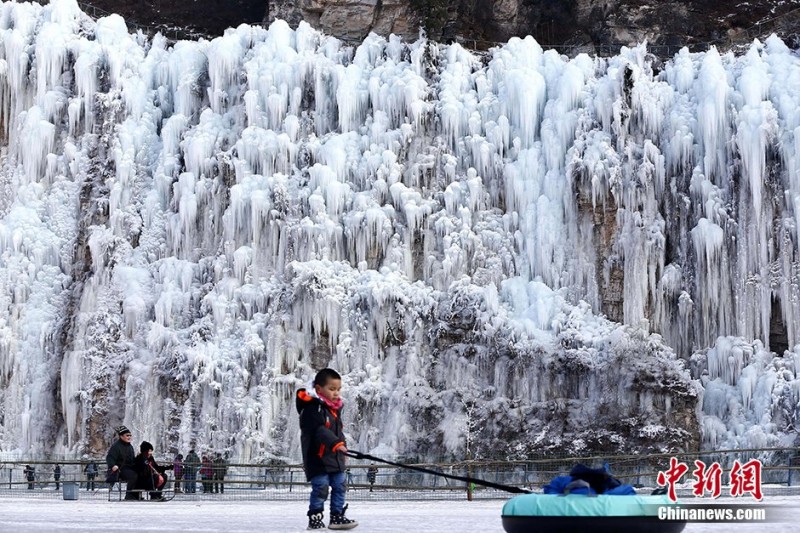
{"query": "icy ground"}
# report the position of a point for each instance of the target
(30, 516)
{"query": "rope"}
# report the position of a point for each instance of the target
(466, 479)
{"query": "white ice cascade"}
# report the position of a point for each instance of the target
(479, 244)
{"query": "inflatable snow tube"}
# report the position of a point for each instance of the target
(578, 513)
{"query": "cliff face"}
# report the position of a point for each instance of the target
(589, 23)
(350, 19)
(555, 22)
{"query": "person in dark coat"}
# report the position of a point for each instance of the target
(57, 475)
(323, 446)
(190, 472)
(152, 476)
(30, 475)
(120, 461)
(220, 469)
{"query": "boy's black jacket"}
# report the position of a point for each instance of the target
(321, 434)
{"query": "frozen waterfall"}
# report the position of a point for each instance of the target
(519, 250)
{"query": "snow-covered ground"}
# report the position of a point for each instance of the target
(30, 516)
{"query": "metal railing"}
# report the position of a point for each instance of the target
(247, 481)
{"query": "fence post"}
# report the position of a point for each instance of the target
(291, 479)
(789, 481)
(469, 485)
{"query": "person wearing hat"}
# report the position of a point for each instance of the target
(120, 460)
(152, 476)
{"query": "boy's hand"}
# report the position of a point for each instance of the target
(342, 449)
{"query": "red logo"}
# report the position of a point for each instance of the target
(707, 480)
(745, 478)
(672, 476)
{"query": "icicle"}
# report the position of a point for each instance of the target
(38, 140)
(51, 55)
(712, 113)
(224, 57)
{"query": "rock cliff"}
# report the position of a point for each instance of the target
(585, 23)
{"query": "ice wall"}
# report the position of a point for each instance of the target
(189, 230)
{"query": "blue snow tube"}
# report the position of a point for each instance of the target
(603, 513)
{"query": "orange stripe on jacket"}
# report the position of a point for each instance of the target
(303, 395)
(337, 446)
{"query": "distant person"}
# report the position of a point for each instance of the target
(206, 473)
(220, 469)
(324, 447)
(372, 475)
(120, 461)
(177, 469)
(152, 476)
(190, 472)
(30, 475)
(57, 475)
(91, 473)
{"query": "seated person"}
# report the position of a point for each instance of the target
(151, 475)
(120, 460)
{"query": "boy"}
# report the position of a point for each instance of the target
(323, 443)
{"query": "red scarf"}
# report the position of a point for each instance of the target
(333, 405)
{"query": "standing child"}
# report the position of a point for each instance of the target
(206, 473)
(372, 476)
(91, 473)
(324, 448)
(30, 475)
(177, 469)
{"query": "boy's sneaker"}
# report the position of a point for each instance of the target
(315, 520)
(340, 521)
